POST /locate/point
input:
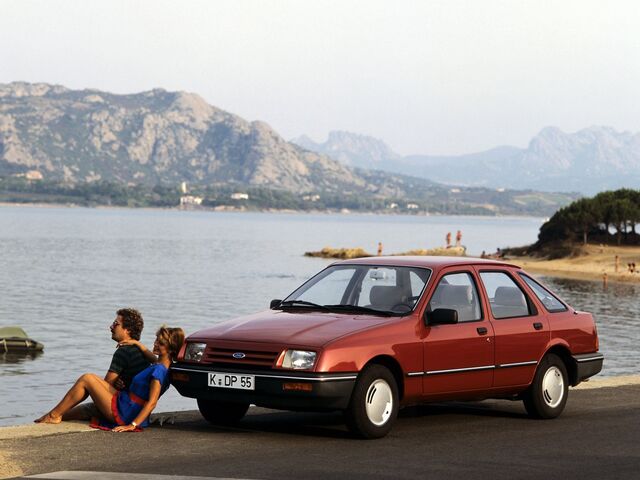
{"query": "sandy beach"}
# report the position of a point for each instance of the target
(591, 264)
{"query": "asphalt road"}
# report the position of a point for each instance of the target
(597, 437)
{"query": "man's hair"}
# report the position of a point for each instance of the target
(131, 321)
(172, 338)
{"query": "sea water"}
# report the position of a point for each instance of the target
(65, 271)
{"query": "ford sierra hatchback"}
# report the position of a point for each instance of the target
(370, 336)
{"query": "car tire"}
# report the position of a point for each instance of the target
(547, 395)
(374, 403)
(222, 413)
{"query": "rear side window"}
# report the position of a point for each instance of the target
(548, 299)
(457, 291)
(505, 297)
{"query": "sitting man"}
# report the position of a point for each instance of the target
(126, 363)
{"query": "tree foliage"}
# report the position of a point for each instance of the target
(437, 199)
(609, 217)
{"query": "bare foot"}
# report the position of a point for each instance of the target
(48, 418)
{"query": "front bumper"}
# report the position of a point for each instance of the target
(328, 391)
(587, 365)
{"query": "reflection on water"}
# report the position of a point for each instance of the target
(616, 310)
(16, 358)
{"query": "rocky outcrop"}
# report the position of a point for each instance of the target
(588, 161)
(594, 150)
(151, 137)
(352, 149)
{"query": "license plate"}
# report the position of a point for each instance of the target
(232, 380)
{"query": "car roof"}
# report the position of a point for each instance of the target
(433, 262)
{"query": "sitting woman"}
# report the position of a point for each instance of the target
(125, 411)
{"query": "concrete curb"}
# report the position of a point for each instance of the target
(608, 382)
(43, 430)
(40, 430)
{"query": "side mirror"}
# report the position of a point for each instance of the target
(441, 316)
(274, 303)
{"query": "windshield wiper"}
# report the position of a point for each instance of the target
(302, 303)
(358, 308)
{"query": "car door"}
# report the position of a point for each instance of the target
(521, 332)
(458, 357)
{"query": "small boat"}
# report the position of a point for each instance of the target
(15, 340)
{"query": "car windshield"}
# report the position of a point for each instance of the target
(384, 290)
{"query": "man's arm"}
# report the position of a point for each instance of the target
(118, 364)
(111, 378)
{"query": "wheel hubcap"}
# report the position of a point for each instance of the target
(379, 402)
(553, 387)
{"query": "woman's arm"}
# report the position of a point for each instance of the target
(148, 354)
(154, 395)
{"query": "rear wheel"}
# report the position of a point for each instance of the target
(548, 393)
(222, 413)
(374, 404)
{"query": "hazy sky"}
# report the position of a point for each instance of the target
(433, 77)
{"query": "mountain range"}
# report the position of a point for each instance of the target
(588, 161)
(151, 137)
(161, 138)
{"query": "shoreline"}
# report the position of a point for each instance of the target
(31, 430)
(233, 209)
(594, 263)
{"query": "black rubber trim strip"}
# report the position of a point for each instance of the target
(308, 377)
(588, 357)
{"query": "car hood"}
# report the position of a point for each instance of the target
(292, 327)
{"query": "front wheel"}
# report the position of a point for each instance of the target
(547, 395)
(374, 404)
(222, 413)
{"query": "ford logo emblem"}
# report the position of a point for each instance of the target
(239, 355)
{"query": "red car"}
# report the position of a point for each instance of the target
(369, 336)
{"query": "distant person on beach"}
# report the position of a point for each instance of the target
(126, 363)
(448, 238)
(125, 410)
(458, 238)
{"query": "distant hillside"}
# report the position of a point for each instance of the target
(81, 146)
(352, 149)
(588, 161)
(151, 137)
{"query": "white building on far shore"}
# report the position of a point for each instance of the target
(190, 200)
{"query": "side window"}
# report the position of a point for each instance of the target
(457, 291)
(505, 297)
(548, 299)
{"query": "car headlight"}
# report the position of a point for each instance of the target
(299, 359)
(194, 351)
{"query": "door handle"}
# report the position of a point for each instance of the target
(481, 330)
(537, 325)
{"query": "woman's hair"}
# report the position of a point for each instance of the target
(172, 338)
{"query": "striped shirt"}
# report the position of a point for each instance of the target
(127, 362)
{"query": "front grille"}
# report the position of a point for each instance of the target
(253, 358)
